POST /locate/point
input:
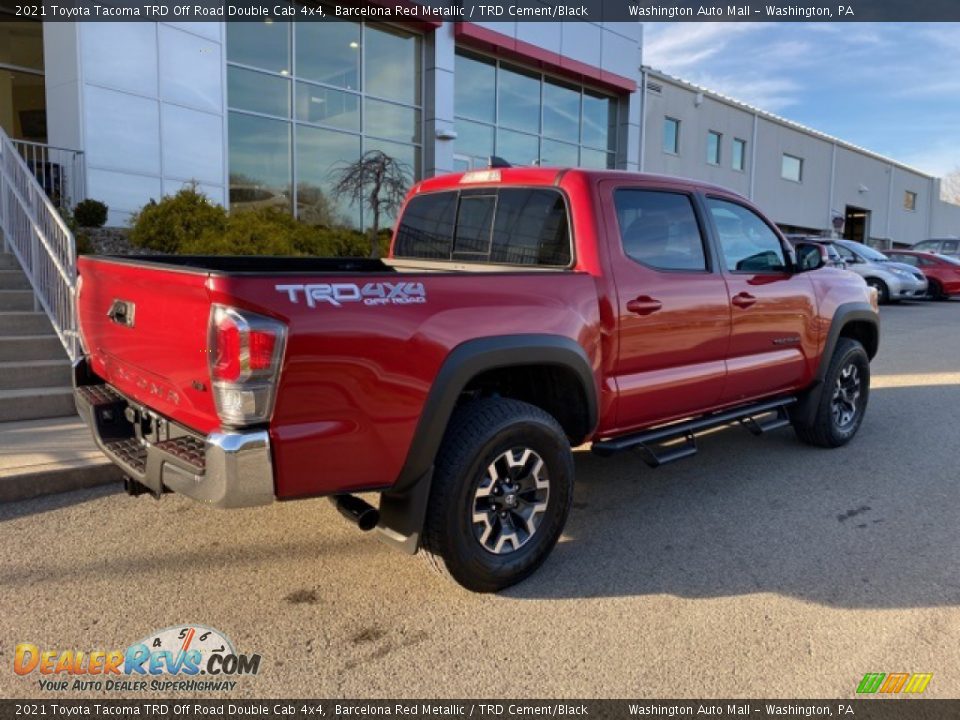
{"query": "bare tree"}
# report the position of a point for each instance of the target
(950, 187)
(375, 182)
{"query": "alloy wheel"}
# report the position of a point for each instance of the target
(844, 404)
(510, 500)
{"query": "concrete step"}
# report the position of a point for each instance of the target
(41, 457)
(13, 280)
(18, 375)
(16, 300)
(24, 323)
(8, 261)
(34, 403)
(30, 347)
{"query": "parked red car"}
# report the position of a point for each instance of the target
(522, 311)
(942, 272)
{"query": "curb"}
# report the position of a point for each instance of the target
(57, 478)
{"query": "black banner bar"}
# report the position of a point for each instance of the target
(497, 11)
(893, 708)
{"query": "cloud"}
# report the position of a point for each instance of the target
(676, 47)
(766, 93)
(893, 87)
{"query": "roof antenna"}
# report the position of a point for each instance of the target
(498, 162)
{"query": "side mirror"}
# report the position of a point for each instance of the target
(810, 256)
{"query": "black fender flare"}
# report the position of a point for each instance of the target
(845, 314)
(403, 506)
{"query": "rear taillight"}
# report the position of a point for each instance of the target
(246, 351)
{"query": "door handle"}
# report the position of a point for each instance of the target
(743, 300)
(644, 305)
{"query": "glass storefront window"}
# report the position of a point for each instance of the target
(349, 88)
(23, 104)
(21, 44)
(529, 118)
(260, 162)
(325, 106)
(474, 139)
(319, 153)
(558, 154)
(518, 97)
(518, 148)
(561, 112)
(392, 65)
(599, 121)
(475, 88)
(260, 44)
(394, 122)
(258, 92)
(329, 53)
(595, 159)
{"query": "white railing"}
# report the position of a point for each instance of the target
(58, 170)
(39, 238)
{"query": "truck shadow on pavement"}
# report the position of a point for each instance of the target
(871, 525)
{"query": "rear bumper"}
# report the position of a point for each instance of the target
(223, 469)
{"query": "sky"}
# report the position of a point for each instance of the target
(893, 88)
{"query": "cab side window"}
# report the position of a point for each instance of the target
(660, 229)
(747, 243)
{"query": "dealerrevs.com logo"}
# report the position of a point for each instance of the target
(184, 657)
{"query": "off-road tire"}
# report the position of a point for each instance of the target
(825, 431)
(479, 432)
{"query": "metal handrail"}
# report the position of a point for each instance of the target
(38, 237)
(59, 170)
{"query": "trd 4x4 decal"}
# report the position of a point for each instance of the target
(379, 293)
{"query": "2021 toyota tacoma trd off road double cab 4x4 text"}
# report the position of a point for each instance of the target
(520, 312)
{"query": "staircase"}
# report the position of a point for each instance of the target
(44, 447)
(34, 367)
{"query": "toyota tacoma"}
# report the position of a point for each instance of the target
(520, 313)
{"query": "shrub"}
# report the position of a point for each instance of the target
(176, 221)
(85, 245)
(90, 213)
(271, 231)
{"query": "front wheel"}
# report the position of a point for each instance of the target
(883, 292)
(500, 496)
(843, 398)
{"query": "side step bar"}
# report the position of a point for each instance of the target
(649, 443)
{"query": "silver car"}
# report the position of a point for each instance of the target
(893, 281)
(940, 246)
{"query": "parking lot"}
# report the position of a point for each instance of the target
(760, 567)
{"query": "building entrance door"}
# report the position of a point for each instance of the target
(856, 224)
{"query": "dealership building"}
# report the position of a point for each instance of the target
(260, 113)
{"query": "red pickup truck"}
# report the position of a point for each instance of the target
(521, 312)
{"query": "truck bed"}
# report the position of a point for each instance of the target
(355, 375)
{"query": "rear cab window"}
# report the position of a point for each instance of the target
(502, 225)
(659, 229)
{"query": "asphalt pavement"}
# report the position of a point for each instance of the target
(759, 568)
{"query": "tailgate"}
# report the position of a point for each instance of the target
(144, 326)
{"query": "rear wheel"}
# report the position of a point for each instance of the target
(883, 292)
(935, 290)
(500, 496)
(843, 398)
